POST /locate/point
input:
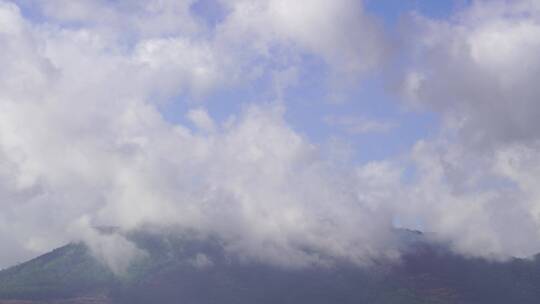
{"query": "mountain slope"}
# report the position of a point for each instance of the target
(194, 270)
(65, 272)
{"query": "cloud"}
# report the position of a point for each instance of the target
(201, 260)
(322, 28)
(130, 19)
(110, 247)
(479, 69)
(473, 180)
(83, 144)
(464, 198)
(199, 117)
(250, 39)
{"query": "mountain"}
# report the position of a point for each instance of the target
(180, 269)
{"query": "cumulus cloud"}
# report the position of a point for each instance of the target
(251, 39)
(466, 199)
(472, 184)
(479, 70)
(324, 28)
(83, 144)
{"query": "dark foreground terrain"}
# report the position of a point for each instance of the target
(181, 270)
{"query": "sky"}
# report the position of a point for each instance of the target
(296, 132)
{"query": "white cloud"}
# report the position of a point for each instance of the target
(461, 196)
(474, 180)
(110, 247)
(201, 260)
(340, 32)
(82, 143)
(479, 69)
(132, 19)
(253, 37)
(200, 118)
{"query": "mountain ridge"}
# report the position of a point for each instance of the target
(200, 271)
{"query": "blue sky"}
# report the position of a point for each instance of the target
(392, 10)
(309, 101)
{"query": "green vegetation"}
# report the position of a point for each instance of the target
(64, 272)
